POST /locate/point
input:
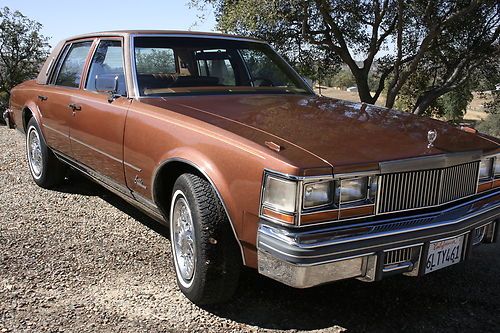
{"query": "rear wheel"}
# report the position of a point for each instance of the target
(205, 253)
(47, 171)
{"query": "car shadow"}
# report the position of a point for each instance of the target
(76, 183)
(460, 298)
(457, 299)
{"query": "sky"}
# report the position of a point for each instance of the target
(61, 19)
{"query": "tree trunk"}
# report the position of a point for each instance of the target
(425, 100)
(361, 77)
(391, 98)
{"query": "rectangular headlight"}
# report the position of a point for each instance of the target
(318, 194)
(280, 194)
(352, 189)
(485, 168)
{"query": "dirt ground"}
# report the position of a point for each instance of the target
(79, 259)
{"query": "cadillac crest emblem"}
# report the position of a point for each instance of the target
(431, 137)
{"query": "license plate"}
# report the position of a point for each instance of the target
(444, 253)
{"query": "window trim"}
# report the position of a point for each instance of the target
(62, 58)
(85, 75)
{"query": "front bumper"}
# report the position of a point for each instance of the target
(368, 251)
(7, 114)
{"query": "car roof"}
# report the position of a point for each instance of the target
(173, 33)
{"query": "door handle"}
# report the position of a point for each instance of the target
(75, 107)
(42, 98)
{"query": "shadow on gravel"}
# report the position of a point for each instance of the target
(463, 298)
(458, 299)
(76, 183)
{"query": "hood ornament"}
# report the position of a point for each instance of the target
(431, 137)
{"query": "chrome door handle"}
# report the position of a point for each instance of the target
(75, 107)
(42, 98)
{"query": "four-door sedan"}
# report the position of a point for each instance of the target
(219, 138)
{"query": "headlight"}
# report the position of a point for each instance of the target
(485, 168)
(318, 194)
(353, 189)
(280, 194)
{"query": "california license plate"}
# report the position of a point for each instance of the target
(444, 253)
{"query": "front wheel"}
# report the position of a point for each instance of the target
(47, 171)
(205, 253)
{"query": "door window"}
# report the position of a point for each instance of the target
(71, 70)
(107, 61)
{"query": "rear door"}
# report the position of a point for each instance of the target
(55, 98)
(97, 126)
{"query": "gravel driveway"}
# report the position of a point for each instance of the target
(79, 259)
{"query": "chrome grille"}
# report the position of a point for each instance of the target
(398, 256)
(425, 188)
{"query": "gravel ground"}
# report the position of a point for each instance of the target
(79, 259)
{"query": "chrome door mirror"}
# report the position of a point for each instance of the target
(108, 83)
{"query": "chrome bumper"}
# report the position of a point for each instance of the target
(374, 249)
(6, 117)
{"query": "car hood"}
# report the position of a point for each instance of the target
(340, 132)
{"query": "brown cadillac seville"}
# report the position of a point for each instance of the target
(219, 138)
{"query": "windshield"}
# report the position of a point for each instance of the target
(190, 65)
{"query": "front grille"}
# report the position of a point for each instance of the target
(425, 188)
(398, 256)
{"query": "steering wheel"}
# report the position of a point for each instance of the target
(265, 81)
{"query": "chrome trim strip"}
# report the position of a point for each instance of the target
(372, 246)
(106, 154)
(112, 186)
(132, 166)
(57, 131)
(316, 263)
(211, 183)
(97, 150)
(429, 162)
(264, 229)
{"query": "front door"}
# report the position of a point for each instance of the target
(98, 123)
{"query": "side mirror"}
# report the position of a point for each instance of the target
(107, 83)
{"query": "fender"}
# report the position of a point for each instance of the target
(209, 170)
(35, 111)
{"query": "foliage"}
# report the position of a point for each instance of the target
(491, 124)
(270, 20)
(446, 41)
(155, 61)
(22, 51)
(451, 106)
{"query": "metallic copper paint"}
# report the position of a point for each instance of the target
(225, 136)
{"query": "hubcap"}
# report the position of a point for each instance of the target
(183, 239)
(34, 152)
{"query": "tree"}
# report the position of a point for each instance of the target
(22, 51)
(491, 124)
(451, 39)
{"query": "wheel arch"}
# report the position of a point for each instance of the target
(167, 173)
(30, 110)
